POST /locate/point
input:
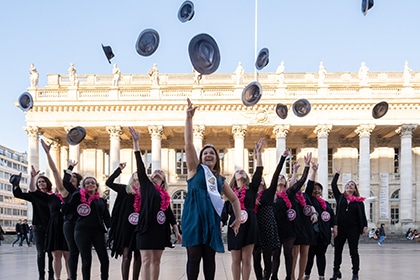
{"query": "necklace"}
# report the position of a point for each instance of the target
(241, 196)
(165, 199)
(91, 198)
(322, 202)
(137, 199)
(301, 198)
(283, 195)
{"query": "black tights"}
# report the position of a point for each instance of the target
(257, 263)
(126, 261)
(319, 251)
(195, 254)
(288, 244)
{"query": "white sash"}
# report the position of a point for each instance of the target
(214, 194)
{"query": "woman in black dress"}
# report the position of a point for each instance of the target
(351, 223)
(242, 244)
(124, 219)
(326, 222)
(152, 231)
(267, 227)
(286, 212)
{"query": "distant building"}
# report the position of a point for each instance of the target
(12, 209)
(382, 154)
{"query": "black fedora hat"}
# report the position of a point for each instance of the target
(262, 59)
(366, 5)
(379, 110)
(15, 179)
(281, 111)
(204, 54)
(301, 107)
(108, 52)
(25, 101)
(186, 11)
(147, 42)
(251, 94)
(76, 135)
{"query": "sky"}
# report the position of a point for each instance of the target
(53, 34)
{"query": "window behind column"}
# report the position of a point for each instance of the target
(147, 160)
(396, 160)
(251, 161)
(177, 201)
(181, 162)
(290, 160)
(330, 161)
(395, 207)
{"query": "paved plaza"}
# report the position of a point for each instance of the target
(389, 262)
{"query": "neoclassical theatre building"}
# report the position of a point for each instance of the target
(381, 154)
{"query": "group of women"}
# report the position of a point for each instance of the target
(260, 220)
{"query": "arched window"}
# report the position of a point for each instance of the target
(177, 201)
(395, 206)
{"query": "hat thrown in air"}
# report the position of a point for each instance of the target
(262, 59)
(281, 111)
(25, 101)
(147, 42)
(204, 54)
(301, 107)
(108, 53)
(251, 94)
(366, 5)
(186, 11)
(379, 110)
(76, 135)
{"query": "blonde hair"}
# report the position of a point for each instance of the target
(232, 183)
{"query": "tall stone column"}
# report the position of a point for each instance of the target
(198, 135)
(156, 131)
(55, 155)
(281, 132)
(406, 172)
(364, 132)
(64, 155)
(74, 152)
(33, 147)
(114, 156)
(322, 131)
(239, 132)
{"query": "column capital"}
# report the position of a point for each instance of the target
(281, 130)
(155, 130)
(239, 131)
(364, 130)
(114, 131)
(199, 130)
(32, 131)
(406, 130)
(322, 130)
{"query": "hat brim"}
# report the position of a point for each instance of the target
(76, 135)
(262, 59)
(379, 110)
(281, 111)
(147, 42)
(186, 11)
(204, 54)
(251, 94)
(301, 107)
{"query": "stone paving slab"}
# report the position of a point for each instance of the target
(389, 262)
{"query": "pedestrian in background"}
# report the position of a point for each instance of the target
(381, 234)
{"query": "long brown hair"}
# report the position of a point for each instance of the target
(216, 168)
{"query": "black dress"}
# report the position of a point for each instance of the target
(248, 231)
(305, 234)
(122, 232)
(152, 230)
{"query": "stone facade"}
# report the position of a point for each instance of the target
(381, 155)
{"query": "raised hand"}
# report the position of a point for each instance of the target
(190, 109)
(134, 133)
(314, 166)
(308, 159)
(258, 145)
(45, 146)
(338, 170)
(286, 153)
(296, 167)
(71, 162)
(123, 165)
(34, 172)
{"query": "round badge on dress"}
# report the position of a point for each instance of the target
(325, 216)
(83, 209)
(291, 214)
(147, 42)
(307, 210)
(204, 54)
(133, 218)
(161, 217)
(244, 216)
(251, 94)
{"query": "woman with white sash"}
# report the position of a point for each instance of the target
(203, 205)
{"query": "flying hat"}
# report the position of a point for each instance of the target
(379, 110)
(108, 52)
(147, 42)
(186, 11)
(301, 107)
(76, 135)
(281, 111)
(15, 179)
(262, 59)
(366, 5)
(251, 94)
(25, 101)
(204, 54)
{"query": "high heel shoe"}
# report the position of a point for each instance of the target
(336, 275)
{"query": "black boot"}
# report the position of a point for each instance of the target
(355, 277)
(336, 275)
(15, 179)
